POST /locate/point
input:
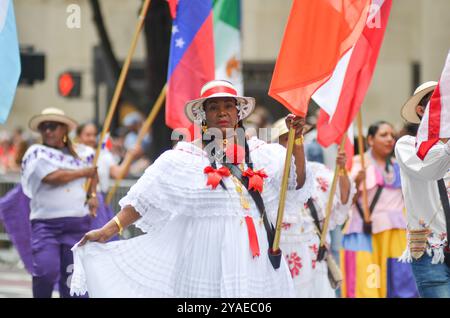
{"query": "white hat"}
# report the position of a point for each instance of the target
(51, 114)
(408, 111)
(218, 88)
(133, 118)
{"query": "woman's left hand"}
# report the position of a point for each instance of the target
(93, 206)
(297, 122)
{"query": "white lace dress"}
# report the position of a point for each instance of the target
(299, 239)
(196, 242)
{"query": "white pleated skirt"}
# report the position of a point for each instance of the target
(189, 257)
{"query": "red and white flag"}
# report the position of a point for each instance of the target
(341, 97)
(318, 33)
(435, 123)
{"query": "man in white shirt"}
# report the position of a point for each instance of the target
(427, 234)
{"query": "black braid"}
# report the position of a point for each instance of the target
(211, 155)
(247, 149)
(255, 195)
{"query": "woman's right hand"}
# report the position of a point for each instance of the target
(360, 177)
(98, 235)
(90, 172)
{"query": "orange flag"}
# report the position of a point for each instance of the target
(317, 35)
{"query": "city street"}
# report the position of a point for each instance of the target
(14, 282)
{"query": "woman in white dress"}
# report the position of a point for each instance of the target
(300, 238)
(205, 236)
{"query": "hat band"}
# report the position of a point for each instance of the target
(219, 89)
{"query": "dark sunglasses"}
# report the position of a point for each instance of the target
(52, 125)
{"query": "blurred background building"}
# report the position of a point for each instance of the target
(416, 43)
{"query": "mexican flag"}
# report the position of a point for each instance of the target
(227, 41)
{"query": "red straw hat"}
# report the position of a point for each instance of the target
(218, 88)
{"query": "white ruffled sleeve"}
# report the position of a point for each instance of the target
(174, 185)
(271, 158)
(323, 178)
(35, 167)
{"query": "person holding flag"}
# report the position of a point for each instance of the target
(301, 234)
(425, 173)
(53, 175)
(369, 258)
(206, 207)
(107, 168)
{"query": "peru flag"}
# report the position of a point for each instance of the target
(435, 123)
(341, 97)
(191, 59)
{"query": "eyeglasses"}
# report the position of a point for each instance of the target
(52, 125)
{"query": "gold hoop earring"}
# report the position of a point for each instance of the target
(65, 139)
(204, 128)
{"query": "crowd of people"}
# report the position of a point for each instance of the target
(208, 209)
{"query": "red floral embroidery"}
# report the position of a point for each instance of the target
(323, 183)
(315, 251)
(294, 263)
(286, 226)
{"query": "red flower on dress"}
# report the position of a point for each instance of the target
(286, 226)
(323, 183)
(294, 263)
(315, 252)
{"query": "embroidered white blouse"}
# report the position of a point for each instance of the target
(421, 194)
(50, 201)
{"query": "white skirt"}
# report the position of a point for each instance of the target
(189, 257)
(310, 277)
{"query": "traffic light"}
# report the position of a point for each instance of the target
(33, 66)
(69, 84)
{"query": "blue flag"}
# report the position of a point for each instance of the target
(9, 58)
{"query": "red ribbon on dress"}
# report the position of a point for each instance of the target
(215, 175)
(252, 237)
(255, 179)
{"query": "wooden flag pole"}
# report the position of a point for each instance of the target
(144, 129)
(363, 167)
(120, 84)
(323, 235)
(275, 251)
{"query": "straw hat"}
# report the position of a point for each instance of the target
(408, 111)
(218, 88)
(51, 114)
(278, 129)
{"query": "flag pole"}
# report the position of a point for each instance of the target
(363, 167)
(323, 235)
(120, 84)
(275, 252)
(144, 129)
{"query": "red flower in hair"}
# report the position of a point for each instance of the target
(255, 179)
(216, 175)
(235, 154)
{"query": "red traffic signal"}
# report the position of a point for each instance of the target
(69, 84)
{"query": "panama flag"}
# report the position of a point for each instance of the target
(341, 97)
(435, 123)
(191, 59)
(227, 42)
(9, 58)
